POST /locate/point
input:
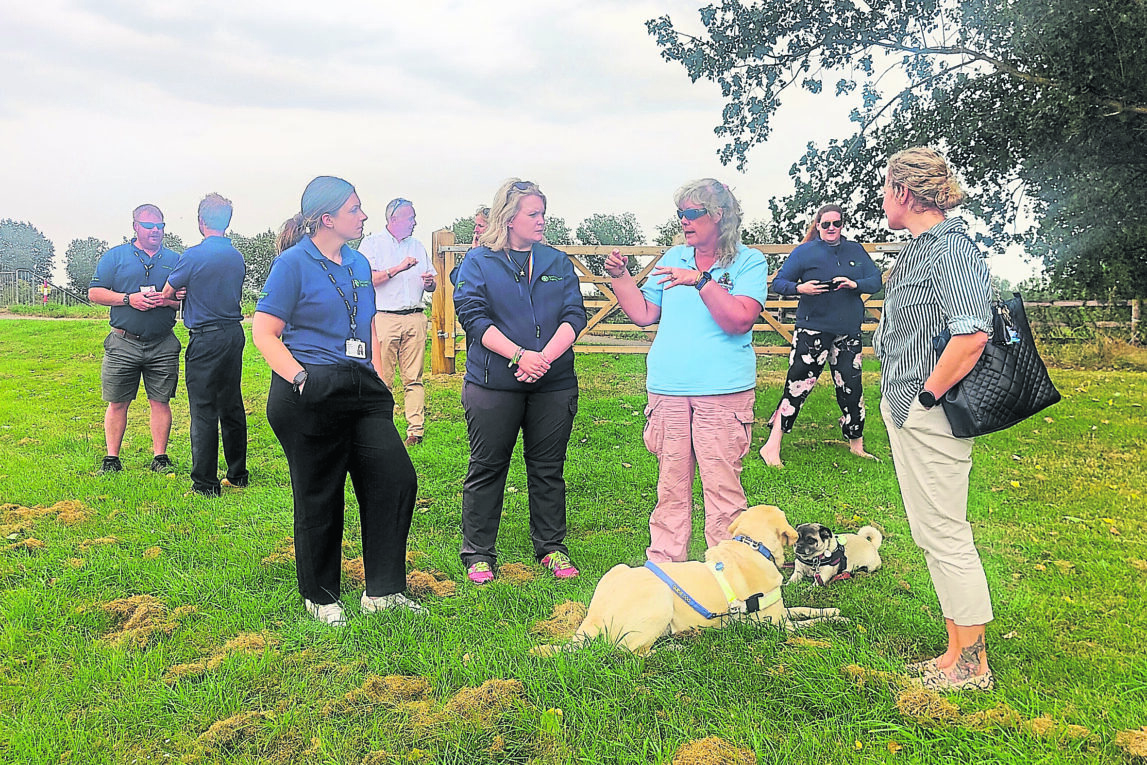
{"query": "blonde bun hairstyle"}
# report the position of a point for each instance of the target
(926, 174)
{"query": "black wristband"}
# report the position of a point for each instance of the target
(927, 400)
(706, 277)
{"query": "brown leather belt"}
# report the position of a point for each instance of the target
(125, 333)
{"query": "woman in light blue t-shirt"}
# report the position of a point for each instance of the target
(705, 296)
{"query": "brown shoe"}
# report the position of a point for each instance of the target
(413, 440)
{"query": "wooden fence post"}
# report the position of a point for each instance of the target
(1135, 322)
(440, 316)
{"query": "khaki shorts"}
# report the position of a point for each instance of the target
(126, 360)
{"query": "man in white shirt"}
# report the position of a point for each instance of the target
(401, 272)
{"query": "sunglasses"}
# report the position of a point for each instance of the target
(693, 213)
(149, 226)
(827, 224)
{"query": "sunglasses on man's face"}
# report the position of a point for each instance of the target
(692, 213)
(149, 226)
(827, 224)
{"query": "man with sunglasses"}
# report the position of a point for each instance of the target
(401, 272)
(130, 278)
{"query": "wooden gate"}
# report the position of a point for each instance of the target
(605, 332)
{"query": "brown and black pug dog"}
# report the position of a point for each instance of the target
(821, 555)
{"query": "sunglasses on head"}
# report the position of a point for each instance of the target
(827, 224)
(149, 226)
(692, 213)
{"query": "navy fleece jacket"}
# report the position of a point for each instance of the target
(838, 311)
(528, 311)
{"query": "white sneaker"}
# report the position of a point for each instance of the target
(331, 613)
(387, 602)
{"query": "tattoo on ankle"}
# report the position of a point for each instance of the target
(968, 663)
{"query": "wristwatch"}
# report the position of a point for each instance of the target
(706, 277)
(126, 299)
(927, 400)
(300, 378)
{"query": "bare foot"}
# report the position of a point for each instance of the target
(772, 454)
(856, 446)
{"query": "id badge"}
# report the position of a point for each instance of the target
(355, 349)
(147, 289)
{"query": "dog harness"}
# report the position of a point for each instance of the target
(836, 558)
(752, 604)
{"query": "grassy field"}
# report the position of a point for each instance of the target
(141, 625)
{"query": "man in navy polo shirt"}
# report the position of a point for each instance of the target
(129, 279)
(212, 274)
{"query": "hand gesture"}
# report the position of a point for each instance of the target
(676, 277)
(428, 281)
(615, 264)
(843, 283)
(531, 366)
(812, 288)
(408, 262)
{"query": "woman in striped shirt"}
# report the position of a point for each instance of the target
(939, 282)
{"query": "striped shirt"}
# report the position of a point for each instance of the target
(940, 280)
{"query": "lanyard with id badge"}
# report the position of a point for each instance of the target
(355, 348)
(148, 264)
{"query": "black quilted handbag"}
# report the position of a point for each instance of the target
(1008, 384)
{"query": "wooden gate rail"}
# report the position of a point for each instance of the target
(448, 338)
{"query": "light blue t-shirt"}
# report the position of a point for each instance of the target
(692, 355)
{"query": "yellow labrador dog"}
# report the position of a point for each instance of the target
(633, 607)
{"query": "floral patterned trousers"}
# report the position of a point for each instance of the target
(811, 349)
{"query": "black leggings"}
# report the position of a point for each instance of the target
(343, 424)
(811, 349)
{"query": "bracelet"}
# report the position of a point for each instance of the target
(517, 356)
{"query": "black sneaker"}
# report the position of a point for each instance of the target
(111, 465)
(161, 464)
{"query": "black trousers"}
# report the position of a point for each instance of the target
(343, 424)
(493, 419)
(213, 369)
(811, 349)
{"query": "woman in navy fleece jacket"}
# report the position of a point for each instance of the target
(520, 303)
(829, 273)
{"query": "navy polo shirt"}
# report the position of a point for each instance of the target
(126, 268)
(213, 274)
(299, 291)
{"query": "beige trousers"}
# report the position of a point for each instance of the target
(402, 339)
(932, 467)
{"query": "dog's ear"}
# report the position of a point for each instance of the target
(789, 535)
(825, 533)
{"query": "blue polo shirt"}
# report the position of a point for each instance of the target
(212, 272)
(692, 355)
(299, 291)
(126, 268)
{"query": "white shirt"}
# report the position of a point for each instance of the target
(404, 290)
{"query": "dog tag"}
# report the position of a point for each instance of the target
(355, 349)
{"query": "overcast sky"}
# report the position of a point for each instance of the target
(106, 104)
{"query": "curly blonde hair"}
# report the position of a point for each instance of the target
(925, 173)
(714, 195)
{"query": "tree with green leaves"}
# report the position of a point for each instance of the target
(557, 232)
(80, 261)
(22, 245)
(258, 253)
(1041, 106)
(667, 234)
(463, 229)
(609, 229)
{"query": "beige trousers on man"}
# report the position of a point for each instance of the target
(402, 339)
(932, 467)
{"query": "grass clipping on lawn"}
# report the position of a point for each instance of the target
(250, 643)
(141, 618)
